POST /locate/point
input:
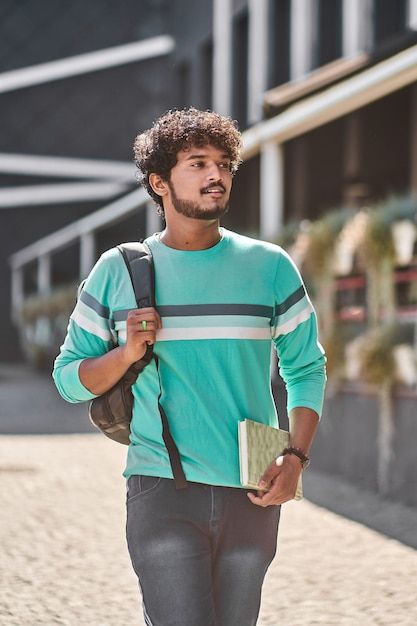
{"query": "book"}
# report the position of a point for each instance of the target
(259, 444)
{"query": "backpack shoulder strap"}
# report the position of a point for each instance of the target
(138, 259)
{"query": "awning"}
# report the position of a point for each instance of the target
(349, 95)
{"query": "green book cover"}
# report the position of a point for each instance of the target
(259, 444)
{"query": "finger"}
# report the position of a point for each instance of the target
(148, 336)
(139, 329)
(145, 325)
(146, 310)
(151, 316)
(137, 321)
(271, 472)
(141, 326)
(267, 499)
(258, 500)
(158, 317)
(157, 320)
(148, 313)
(135, 313)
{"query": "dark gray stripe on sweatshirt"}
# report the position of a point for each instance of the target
(295, 297)
(185, 310)
(94, 304)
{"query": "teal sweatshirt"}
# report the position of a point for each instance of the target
(222, 309)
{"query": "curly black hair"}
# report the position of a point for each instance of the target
(155, 150)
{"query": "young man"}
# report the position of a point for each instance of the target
(200, 553)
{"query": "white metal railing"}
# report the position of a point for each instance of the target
(87, 62)
(82, 230)
(67, 167)
(30, 195)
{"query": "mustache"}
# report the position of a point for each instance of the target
(212, 186)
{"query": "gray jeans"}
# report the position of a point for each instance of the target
(200, 554)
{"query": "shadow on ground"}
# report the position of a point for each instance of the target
(31, 405)
(393, 519)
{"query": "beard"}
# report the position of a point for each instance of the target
(195, 210)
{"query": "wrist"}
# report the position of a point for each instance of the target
(126, 359)
(292, 451)
(290, 460)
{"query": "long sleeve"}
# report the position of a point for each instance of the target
(301, 357)
(90, 332)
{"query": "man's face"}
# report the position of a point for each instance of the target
(200, 183)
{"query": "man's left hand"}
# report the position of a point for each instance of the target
(280, 479)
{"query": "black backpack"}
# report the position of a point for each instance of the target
(112, 412)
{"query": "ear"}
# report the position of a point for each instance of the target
(158, 184)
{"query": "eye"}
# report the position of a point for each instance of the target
(225, 165)
(197, 164)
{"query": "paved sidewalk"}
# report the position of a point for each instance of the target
(64, 558)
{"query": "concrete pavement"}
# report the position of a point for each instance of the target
(64, 558)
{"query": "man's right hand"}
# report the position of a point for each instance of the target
(137, 338)
(99, 374)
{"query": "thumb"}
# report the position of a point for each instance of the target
(271, 472)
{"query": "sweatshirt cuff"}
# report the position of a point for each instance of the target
(316, 404)
(69, 384)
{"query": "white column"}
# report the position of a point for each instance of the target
(44, 274)
(272, 190)
(412, 14)
(222, 56)
(357, 28)
(87, 254)
(258, 58)
(303, 37)
(17, 291)
(153, 219)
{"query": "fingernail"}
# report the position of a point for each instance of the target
(262, 483)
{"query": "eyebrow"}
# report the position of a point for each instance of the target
(204, 156)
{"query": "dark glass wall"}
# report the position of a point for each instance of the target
(329, 41)
(279, 43)
(389, 19)
(240, 69)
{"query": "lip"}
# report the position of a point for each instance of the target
(216, 194)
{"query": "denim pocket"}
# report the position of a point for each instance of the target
(138, 485)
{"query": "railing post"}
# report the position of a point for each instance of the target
(357, 33)
(258, 57)
(87, 254)
(303, 37)
(17, 291)
(412, 14)
(272, 190)
(222, 56)
(44, 274)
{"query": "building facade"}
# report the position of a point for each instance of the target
(325, 91)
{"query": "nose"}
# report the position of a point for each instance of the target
(214, 172)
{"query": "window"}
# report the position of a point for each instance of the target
(329, 42)
(389, 19)
(240, 69)
(184, 85)
(206, 75)
(279, 43)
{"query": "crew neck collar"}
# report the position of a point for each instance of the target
(194, 253)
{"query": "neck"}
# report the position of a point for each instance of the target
(196, 235)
